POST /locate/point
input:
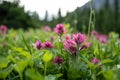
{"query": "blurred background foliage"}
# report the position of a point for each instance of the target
(106, 17)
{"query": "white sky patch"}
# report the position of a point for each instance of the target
(52, 6)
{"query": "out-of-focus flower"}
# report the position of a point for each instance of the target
(47, 28)
(102, 38)
(38, 45)
(94, 33)
(58, 60)
(86, 45)
(59, 29)
(3, 29)
(51, 38)
(47, 44)
(70, 45)
(79, 38)
(95, 61)
(67, 37)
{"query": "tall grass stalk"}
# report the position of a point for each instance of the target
(91, 20)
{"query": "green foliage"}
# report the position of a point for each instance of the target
(21, 60)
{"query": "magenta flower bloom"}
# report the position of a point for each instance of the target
(67, 37)
(38, 45)
(95, 61)
(102, 38)
(79, 38)
(94, 33)
(47, 28)
(3, 29)
(52, 38)
(47, 44)
(58, 60)
(59, 29)
(70, 46)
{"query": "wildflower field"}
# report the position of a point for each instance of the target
(58, 54)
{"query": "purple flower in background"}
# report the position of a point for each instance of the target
(95, 61)
(59, 29)
(47, 44)
(67, 37)
(38, 45)
(94, 33)
(52, 38)
(79, 38)
(47, 28)
(102, 38)
(58, 60)
(3, 29)
(70, 45)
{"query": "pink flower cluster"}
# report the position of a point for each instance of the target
(77, 41)
(39, 45)
(3, 29)
(47, 28)
(58, 60)
(59, 29)
(94, 33)
(79, 38)
(47, 44)
(101, 37)
(71, 46)
(95, 61)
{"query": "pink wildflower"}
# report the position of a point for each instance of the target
(94, 33)
(102, 38)
(47, 44)
(70, 45)
(59, 29)
(58, 60)
(3, 29)
(52, 38)
(95, 61)
(79, 38)
(67, 37)
(47, 28)
(38, 44)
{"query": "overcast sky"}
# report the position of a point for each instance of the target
(52, 6)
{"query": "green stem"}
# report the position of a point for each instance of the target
(94, 77)
(90, 19)
(45, 66)
(21, 77)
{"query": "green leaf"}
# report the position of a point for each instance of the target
(22, 52)
(59, 75)
(28, 47)
(106, 61)
(3, 62)
(47, 56)
(33, 74)
(10, 57)
(20, 66)
(91, 65)
(50, 77)
(6, 71)
(108, 75)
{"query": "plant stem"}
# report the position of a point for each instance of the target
(90, 19)
(21, 77)
(45, 66)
